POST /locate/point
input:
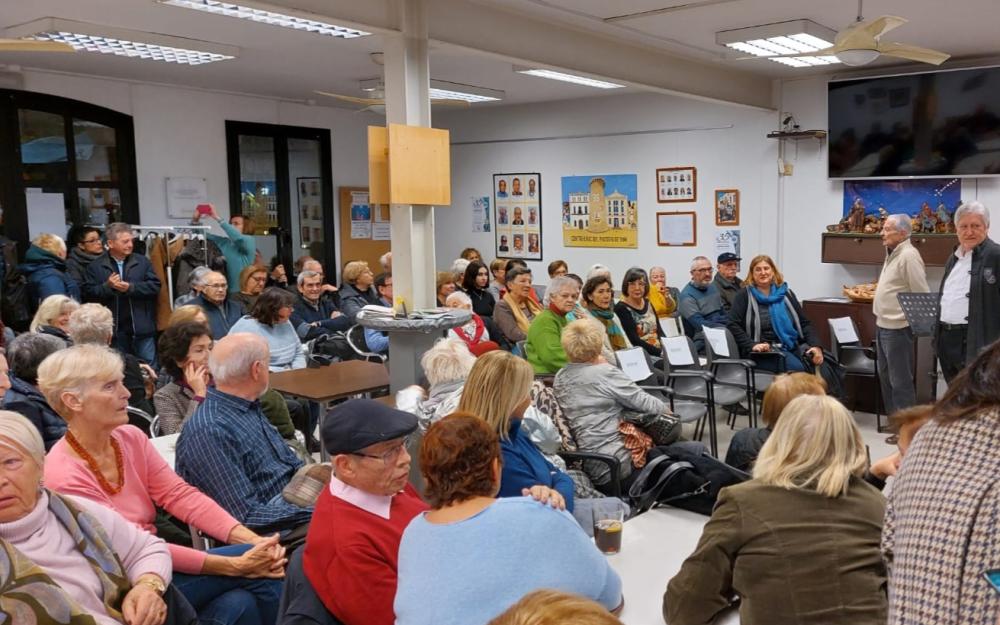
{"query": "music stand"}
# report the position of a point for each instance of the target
(922, 311)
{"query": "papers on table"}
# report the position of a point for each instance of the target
(843, 329)
(633, 363)
(716, 337)
(678, 352)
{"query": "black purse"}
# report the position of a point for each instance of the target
(664, 429)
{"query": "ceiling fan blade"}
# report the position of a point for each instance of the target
(31, 45)
(352, 99)
(447, 102)
(913, 53)
(881, 25)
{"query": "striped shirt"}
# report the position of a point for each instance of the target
(232, 453)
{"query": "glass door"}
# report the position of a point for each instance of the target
(258, 188)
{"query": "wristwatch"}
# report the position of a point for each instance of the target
(155, 583)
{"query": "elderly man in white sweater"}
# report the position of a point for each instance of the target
(902, 272)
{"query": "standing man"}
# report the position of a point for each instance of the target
(125, 283)
(727, 265)
(970, 292)
(902, 272)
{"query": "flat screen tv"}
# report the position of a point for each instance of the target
(934, 124)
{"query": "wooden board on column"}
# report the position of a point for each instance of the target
(367, 250)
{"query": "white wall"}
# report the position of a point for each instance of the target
(808, 201)
(737, 157)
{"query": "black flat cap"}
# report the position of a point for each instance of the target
(726, 257)
(358, 423)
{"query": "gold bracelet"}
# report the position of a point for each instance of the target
(154, 583)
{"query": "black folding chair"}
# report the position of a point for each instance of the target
(859, 361)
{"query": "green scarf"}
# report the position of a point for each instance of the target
(28, 594)
(611, 326)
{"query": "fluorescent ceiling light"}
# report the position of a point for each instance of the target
(577, 80)
(444, 90)
(267, 17)
(121, 42)
(782, 38)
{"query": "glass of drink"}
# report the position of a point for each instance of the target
(608, 525)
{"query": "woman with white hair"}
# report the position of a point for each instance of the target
(446, 365)
(543, 348)
(109, 462)
(799, 543)
(475, 334)
(52, 316)
(45, 268)
(69, 560)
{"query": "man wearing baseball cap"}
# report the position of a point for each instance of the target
(351, 551)
(725, 278)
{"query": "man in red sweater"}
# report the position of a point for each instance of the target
(352, 548)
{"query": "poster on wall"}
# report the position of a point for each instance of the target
(600, 211)
(361, 216)
(727, 241)
(517, 201)
(481, 214)
(930, 202)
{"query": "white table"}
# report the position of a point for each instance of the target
(654, 545)
(166, 445)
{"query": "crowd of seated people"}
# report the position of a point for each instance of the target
(817, 534)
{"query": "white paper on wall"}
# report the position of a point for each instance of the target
(46, 213)
(716, 337)
(184, 194)
(633, 363)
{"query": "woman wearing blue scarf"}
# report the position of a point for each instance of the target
(766, 317)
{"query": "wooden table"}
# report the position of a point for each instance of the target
(654, 545)
(332, 382)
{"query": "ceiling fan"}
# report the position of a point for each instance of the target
(861, 43)
(32, 45)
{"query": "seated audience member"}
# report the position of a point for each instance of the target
(253, 279)
(445, 286)
(184, 349)
(376, 340)
(663, 298)
(329, 290)
(25, 354)
(44, 267)
(558, 268)
(597, 398)
(521, 544)
(370, 502)
(229, 451)
(555, 607)
(597, 269)
(728, 265)
(474, 333)
(766, 316)
(458, 270)
(238, 246)
(189, 312)
(746, 443)
(446, 365)
(905, 423)
(298, 267)
(471, 254)
(517, 262)
(69, 560)
(53, 316)
(543, 348)
(517, 309)
(196, 281)
(385, 260)
(476, 284)
(222, 312)
(358, 290)
(941, 518)
(497, 286)
(799, 543)
(125, 283)
(598, 303)
(86, 245)
(5, 377)
(701, 302)
(277, 275)
(270, 319)
(638, 319)
(93, 324)
(107, 461)
(314, 315)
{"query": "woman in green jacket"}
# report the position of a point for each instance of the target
(543, 346)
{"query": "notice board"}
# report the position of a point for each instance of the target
(368, 250)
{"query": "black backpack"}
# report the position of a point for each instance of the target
(678, 476)
(16, 306)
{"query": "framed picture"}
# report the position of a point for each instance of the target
(677, 229)
(727, 207)
(517, 215)
(676, 184)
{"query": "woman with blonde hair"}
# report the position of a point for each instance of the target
(189, 312)
(358, 289)
(52, 316)
(799, 543)
(555, 607)
(253, 279)
(45, 268)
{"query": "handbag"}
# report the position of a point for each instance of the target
(683, 476)
(664, 429)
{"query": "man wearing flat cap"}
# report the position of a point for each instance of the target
(727, 266)
(351, 552)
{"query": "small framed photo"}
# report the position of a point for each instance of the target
(676, 184)
(677, 229)
(727, 207)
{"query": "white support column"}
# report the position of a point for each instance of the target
(407, 101)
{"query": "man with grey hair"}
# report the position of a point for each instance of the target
(222, 312)
(970, 292)
(902, 272)
(126, 284)
(313, 314)
(230, 451)
(25, 354)
(701, 302)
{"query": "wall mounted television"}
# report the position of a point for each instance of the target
(933, 124)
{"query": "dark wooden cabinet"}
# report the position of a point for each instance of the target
(867, 249)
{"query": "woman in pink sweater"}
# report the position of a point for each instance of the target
(104, 459)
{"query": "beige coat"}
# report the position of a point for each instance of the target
(902, 272)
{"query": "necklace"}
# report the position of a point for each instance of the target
(106, 486)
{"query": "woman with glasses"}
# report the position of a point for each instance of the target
(543, 348)
(516, 310)
(637, 316)
(253, 279)
(599, 304)
(86, 246)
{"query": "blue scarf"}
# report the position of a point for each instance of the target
(781, 323)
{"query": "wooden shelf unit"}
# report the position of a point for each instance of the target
(867, 249)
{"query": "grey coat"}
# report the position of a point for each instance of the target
(595, 399)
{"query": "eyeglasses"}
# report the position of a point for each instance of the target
(703, 270)
(388, 457)
(216, 286)
(259, 278)
(94, 240)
